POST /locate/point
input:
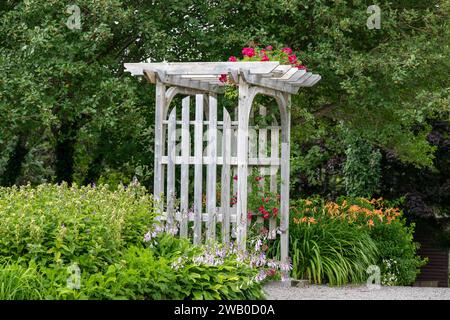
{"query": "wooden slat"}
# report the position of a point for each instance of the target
(158, 168)
(204, 217)
(284, 207)
(198, 173)
(185, 153)
(275, 84)
(211, 173)
(303, 79)
(274, 154)
(262, 152)
(262, 144)
(242, 154)
(225, 178)
(298, 74)
(234, 169)
(189, 83)
(217, 68)
(233, 161)
(285, 168)
(171, 151)
(281, 70)
(288, 75)
(311, 81)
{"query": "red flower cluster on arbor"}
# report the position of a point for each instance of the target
(285, 55)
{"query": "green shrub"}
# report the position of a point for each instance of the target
(45, 231)
(56, 225)
(399, 262)
(145, 273)
(330, 252)
(336, 241)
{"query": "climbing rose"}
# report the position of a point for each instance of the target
(249, 52)
(270, 48)
(286, 50)
(301, 67)
(232, 59)
(292, 59)
(265, 58)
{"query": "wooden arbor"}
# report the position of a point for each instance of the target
(201, 79)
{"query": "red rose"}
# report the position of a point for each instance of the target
(261, 209)
(265, 58)
(232, 59)
(302, 67)
(223, 78)
(249, 52)
(292, 59)
(275, 212)
(249, 216)
(286, 50)
(266, 215)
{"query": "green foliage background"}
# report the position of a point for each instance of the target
(68, 112)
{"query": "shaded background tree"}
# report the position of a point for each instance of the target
(68, 112)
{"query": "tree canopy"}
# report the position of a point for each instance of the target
(68, 112)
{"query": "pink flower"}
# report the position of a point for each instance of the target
(223, 78)
(270, 48)
(265, 58)
(286, 50)
(292, 59)
(261, 209)
(249, 215)
(266, 215)
(235, 178)
(249, 52)
(232, 59)
(301, 67)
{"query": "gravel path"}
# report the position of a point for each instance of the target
(283, 291)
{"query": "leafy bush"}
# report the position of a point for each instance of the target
(152, 273)
(45, 231)
(59, 225)
(335, 242)
(397, 252)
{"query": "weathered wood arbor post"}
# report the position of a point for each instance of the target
(201, 80)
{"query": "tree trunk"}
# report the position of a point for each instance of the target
(64, 152)
(14, 164)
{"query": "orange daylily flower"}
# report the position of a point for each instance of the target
(354, 208)
(312, 220)
(370, 223)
